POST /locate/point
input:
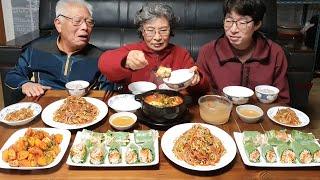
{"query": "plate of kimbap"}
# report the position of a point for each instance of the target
(278, 148)
(114, 149)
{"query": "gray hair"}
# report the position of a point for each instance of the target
(62, 5)
(150, 11)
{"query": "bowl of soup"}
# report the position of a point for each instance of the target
(249, 113)
(266, 93)
(162, 105)
(122, 120)
(214, 109)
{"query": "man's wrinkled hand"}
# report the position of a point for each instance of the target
(33, 89)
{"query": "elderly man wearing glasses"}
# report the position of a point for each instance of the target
(53, 61)
(139, 61)
(243, 56)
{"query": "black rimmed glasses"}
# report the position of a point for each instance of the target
(151, 32)
(241, 24)
(78, 20)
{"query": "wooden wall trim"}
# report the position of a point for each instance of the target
(2, 27)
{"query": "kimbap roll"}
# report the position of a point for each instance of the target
(287, 155)
(268, 153)
(114, 155)
(252, 152)
(78, 153)
(314, 150)
(132, 154)
(97, 155)
(147, 153)
(276, 137)
(303, 154)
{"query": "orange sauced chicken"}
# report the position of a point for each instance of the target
(35, 148)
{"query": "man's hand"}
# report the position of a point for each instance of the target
(196, 77)
(136, 60)
(33, 89)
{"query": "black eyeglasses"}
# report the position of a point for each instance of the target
(78, 20)
(241, 25)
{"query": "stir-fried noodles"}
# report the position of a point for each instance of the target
(19, 115)
(287, 116)
(76, 110)
(198, 146)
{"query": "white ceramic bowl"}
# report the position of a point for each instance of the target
(179, 79)
(238, 94)
(14, 107)
(124, 103)
(249, 117)
(122, 114)
(140, 87)
(266, 93)
(164, 86)
(77, 88)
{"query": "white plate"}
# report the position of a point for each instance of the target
(172, 134)
(239, 137)
(47, 114)
(78, 138)
(141, 87)
(124, 102)
(14, 107)
(303, 118)
(20, 133)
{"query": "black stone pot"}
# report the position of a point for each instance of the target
(165, 114)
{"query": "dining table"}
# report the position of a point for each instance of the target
(165, 169)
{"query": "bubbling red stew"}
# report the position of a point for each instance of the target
(163, 100)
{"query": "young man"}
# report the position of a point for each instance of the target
(243, 56)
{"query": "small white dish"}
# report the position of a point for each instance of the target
(14, 107)
(303, 118)
(140, 87)
(77, 87)
(123, 127)
(238, 94)
(266, 93)
(248, 118)
(179, 79)
(124, 103)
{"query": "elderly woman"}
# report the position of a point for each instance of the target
(243, 56)
(139, 61)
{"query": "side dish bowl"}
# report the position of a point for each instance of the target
(179, 79)
(122, 120)
(36, 108)
(238, 94)
(249, 113)
(77, 88)
(141, 87)
(266, 93)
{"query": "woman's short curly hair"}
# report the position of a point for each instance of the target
(151, 11)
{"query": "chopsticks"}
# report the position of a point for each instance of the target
(107, 94)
